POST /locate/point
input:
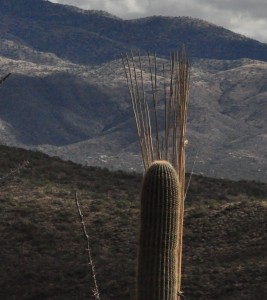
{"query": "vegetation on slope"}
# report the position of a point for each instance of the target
(91, 37)
(43, 252)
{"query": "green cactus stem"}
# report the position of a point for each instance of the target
(158, 244)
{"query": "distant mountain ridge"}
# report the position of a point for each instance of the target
(67, 95)
(91, 37)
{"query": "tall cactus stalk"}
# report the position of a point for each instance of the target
(158, 246)
(158, 278)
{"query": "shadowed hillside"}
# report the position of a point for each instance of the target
(43, 251)
(84, 114)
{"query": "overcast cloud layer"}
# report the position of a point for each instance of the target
(248, 17)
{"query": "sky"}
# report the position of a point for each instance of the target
(247, 17)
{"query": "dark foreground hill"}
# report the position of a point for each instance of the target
(43, 252)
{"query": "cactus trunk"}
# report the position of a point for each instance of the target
(158, 244)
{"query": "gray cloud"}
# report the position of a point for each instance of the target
(248, 17)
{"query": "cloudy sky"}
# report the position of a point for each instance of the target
(248, 17)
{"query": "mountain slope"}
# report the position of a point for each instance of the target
(59, 109)
(84, 113)
(59, 99)
(89, 37)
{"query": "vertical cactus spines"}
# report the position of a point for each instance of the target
(157, 261)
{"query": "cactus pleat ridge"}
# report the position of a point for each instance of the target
(157, 261)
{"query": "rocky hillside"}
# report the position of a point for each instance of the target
(84, 114)
(67, 94)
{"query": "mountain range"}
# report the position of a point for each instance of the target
(67, 94)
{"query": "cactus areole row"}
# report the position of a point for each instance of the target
(158, 242)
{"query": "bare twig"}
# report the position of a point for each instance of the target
(4, 78)
(13, 172)
(191, 174)
(183, 84)
(91, 265)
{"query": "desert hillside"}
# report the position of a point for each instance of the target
(43, 252)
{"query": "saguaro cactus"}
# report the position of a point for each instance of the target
(160, 259)
(158, 253)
